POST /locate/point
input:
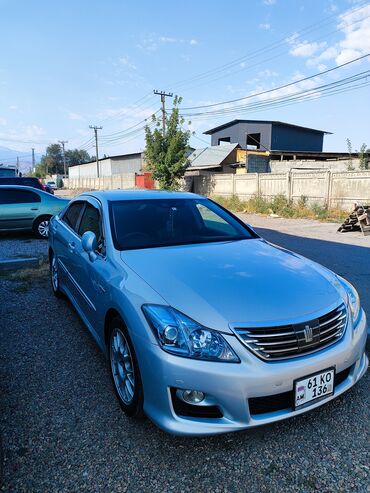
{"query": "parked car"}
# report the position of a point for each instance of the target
(208, 328)
(52, 185)
(27, 181)
(27, 208)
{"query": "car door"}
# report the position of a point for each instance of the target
(66, 245)
(18, 208)
(93, 275)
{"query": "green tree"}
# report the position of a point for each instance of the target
(350, 166)
(363, 154)
(39, 171)
(52, 161)
(77, 156)
(166, 153)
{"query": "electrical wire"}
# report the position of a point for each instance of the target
(268, 48)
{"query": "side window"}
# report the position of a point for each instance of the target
(12, 196)
(91, 222)
(72, 214)
(214, 222)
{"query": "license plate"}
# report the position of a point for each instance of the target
(313, 387)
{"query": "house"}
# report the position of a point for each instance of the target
(228, 158)
(268, 135)
(214, 158)
(112, 165)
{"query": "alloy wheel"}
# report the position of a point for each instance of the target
(54, 274)
(43, 228)
(122, 366)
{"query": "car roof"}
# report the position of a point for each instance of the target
(19, 178)
(118, 195)
(22, 187)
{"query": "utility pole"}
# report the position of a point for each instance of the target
(62, 142)
(33, 159)
(17, 166)
(95, 128)
(163, 95)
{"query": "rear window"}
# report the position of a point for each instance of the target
(12, 196)
(166, 222)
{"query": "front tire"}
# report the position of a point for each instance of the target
(125, 370)
(41, 227)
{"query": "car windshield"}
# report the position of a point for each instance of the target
(166, 222)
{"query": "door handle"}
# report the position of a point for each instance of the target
(71, 246)
(34, 208)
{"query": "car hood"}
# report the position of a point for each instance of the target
(237, 283)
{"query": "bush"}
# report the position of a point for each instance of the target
(281, 206)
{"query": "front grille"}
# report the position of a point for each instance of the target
(289, 341)
(279, 402)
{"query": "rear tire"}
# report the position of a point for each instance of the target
(41, 227)
(125, 370)
(54, 276)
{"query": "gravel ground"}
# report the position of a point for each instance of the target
(17, 245)
(63, 429)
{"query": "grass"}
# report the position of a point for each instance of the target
(24, 279)
(283, 207)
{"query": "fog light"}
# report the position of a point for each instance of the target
(193, 396)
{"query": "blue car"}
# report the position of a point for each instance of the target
(207, 327)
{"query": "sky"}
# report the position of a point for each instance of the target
(65, 65)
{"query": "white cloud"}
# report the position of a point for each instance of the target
(75, 116)
(124, 60)
(306, 49)
(13, 107)
(269, 2)
(3, 121)
(166, 39)
(152, 42)
(265, 26)
(33, 131)
(267, 73)
(354, 29)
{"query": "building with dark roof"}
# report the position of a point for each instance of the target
(268, 135)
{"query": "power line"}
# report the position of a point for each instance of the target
(270, 47)
(330, 88)
(303, 79)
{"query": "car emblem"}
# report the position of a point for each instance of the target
(308, 333)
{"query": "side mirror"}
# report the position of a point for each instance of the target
(89, 244)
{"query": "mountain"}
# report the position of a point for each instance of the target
(9, 157)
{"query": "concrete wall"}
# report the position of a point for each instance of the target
(122, 181)
(340, 190)
(277, 166)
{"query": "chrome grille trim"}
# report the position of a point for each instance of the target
(289, 341)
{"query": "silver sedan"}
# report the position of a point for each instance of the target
(208, 328)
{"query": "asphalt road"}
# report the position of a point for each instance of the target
(63, 429)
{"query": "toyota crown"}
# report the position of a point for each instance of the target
(207, 327)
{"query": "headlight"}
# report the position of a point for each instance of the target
(353, 299)
(180, 335)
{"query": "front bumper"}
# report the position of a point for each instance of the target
(232, 385)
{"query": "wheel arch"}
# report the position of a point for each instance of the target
(41, 216)
(109, 316)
